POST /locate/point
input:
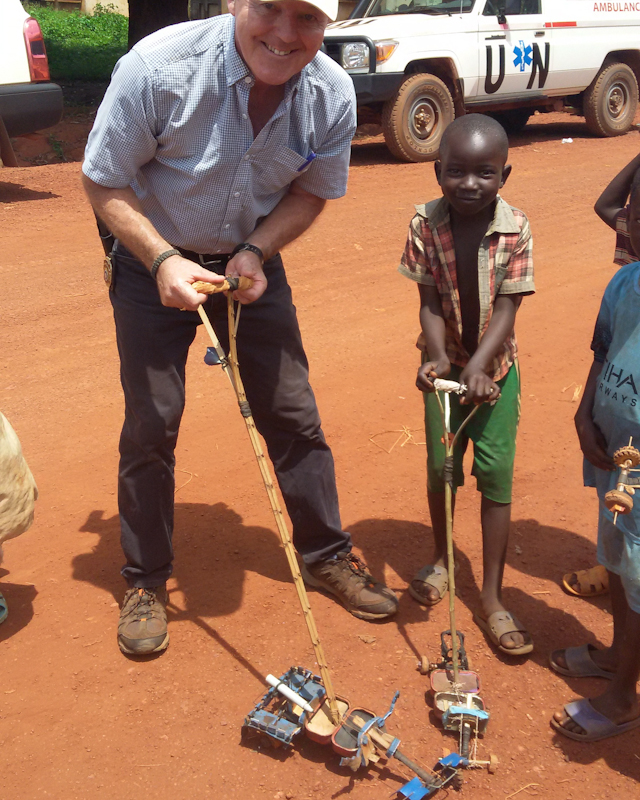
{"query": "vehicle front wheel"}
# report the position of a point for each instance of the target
(414, 120)
(611, 101)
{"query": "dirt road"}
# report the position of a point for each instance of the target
(79, 720)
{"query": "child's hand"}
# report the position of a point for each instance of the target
(480, 387)
(592, 442)
(431, 370)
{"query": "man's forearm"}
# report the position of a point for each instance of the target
(121, 212)
(293, 215)
(615, 195)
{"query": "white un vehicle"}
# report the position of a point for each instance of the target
(417, 64)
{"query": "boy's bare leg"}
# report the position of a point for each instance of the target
(620, 701)
(609, 657)
(439, 525)
(496, 520)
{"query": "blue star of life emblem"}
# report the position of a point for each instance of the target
(523, 56)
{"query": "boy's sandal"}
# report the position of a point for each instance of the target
(500, 623)
(432, 575)
(3, 608)
(579, 663)
(590, 582)
(595, 724)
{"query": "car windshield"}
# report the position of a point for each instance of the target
(382, 8)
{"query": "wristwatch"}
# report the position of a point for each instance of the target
(247, 246)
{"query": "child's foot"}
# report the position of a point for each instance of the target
(610, 705)
(603, 660)
(430, 584)
(505, 631)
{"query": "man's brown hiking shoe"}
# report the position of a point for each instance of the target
(347, 578)
(143, 621)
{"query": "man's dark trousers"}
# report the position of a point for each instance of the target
(153, 343)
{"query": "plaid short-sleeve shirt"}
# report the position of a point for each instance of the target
(505, 266)
(624, 251)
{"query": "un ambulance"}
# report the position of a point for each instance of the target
(417, 64)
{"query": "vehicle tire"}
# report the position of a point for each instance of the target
(414, 120)
(611, 101)
(513, 120)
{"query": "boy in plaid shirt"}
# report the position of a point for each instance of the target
(470, 254)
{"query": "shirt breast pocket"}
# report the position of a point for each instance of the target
(276, 170)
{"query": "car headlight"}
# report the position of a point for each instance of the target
(355, 55)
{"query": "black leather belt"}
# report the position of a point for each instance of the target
(207, 260)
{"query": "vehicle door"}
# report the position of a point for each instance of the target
(514, 49)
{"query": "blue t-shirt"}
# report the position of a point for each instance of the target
(616, 407)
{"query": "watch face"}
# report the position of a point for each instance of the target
(107, 272)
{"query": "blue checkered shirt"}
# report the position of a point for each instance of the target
(174, 126)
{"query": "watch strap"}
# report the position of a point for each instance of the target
(250, 247)
(162, 257)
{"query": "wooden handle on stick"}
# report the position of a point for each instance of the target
(227, 285)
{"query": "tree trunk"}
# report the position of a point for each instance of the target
(147, 16)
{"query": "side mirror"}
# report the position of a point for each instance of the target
(501, 12)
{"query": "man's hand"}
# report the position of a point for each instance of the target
(431, 370)
(247, 265)
(175, 276)
(480, 387)
(592, 442)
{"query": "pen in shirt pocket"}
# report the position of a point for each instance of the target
(308, 160)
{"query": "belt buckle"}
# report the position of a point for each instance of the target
(204, 263)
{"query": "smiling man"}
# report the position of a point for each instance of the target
(217, 143)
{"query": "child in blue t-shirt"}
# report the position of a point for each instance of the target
(608, 417)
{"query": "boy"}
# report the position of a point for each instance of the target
(470, 253)
(611, 208)
(607, 417)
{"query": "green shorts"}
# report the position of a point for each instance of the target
(493, 433)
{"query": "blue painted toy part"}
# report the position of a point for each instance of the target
(379, 723)
(416, 790)
(463, 711)
(212, 358)
(392, 748)
(453, 760)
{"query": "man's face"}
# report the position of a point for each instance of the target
(470, 172)
(276, 40)
(634, 223)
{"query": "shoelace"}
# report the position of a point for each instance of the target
(357, 567)
(144, 600)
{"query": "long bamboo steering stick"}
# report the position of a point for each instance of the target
(232, 370)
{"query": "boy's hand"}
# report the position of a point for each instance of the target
(431, 370)
(592, 442)
(480, 387)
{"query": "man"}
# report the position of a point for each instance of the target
(217, 143)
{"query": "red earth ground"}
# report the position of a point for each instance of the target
(78, 719)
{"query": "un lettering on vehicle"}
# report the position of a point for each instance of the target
(539, 67)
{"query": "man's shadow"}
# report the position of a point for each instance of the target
(19, 599)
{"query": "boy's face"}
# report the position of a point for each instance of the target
(634, 223)
(471, 171)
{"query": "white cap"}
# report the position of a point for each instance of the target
(328, 7)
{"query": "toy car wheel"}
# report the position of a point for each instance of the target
(414, 120)
(627, 453)
(611, 101)
(493, 763)
(618, 501)
(424, 665)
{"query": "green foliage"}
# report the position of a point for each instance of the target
(79, 46)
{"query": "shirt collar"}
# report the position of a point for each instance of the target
(437, 211)
(235, 68)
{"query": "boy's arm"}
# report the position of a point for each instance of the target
(480, 386)
(433, 331)
(592, 442)
(615, 195)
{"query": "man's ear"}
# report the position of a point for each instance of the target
(506, 171)
(231, 5)
(438, 168)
